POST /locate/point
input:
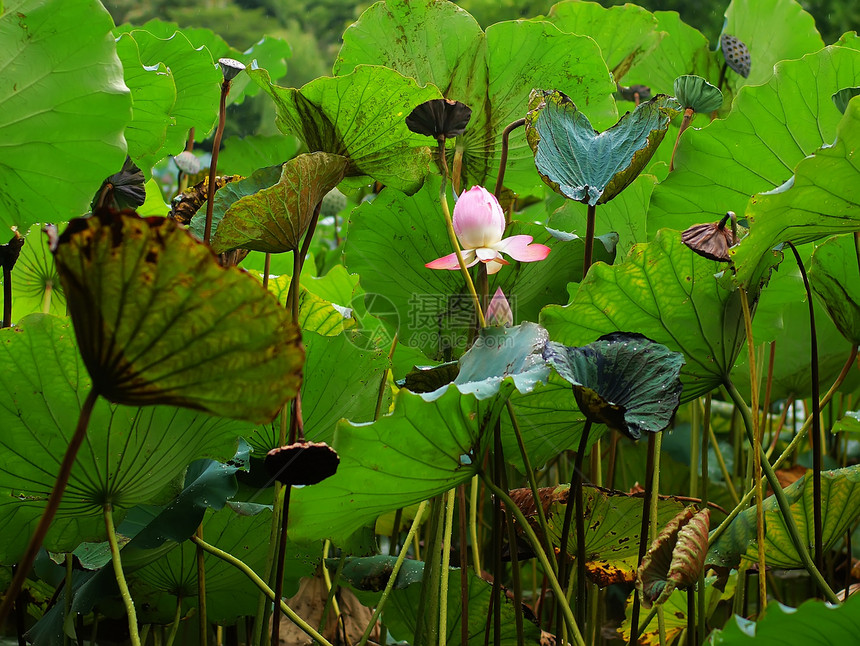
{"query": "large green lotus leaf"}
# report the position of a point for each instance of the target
(612, 523)
(582, 164)
(63, 109)
(834, 279)
(821, 199)
(341, 382)
(275, 219)
(626, 34)
(198, 83)
(770, 129)
(242, 156)
(668, 293)
(35, 282)
(243, 532)
(360, 116)
(773, 31)
(683, 50)
(153, 93)
(316, 314)
(814, 623)
(159, 321)
(130, 456)
(401, 616)
(623, 380)
(840, 508)
(391, 239)
(625, 215)
(418, 451)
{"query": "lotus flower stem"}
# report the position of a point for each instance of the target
(51, 506)
(503, 159)
(107, 512)
(213, 165)
(643, 532)
(174, 627)
(203, 625)
(685, 123)
(815, 435)
(446, 568)
(572, 626)
(781, 500)
(247, 571)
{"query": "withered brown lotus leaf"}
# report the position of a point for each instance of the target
(302, 463)
(439, 117)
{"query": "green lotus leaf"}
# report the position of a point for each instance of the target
(35, 282)
(773, 31)
(360, 116)
(370, 574)
(821, 199)
(668, 293)
(814, 623)
(275, 219)
(492, 73)
(316, 314)
(612, 523)
(243, 156)
(756, 148)
(835, 282)
(623, 380)
(391, 239)
(130, 456)
(840, 508)
(64, 109)
(696, 93)
(843, 97)
(626, 34)
(420, 450)
(848, 423)
(159, 321)
(582, 164)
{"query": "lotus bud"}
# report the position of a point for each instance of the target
(499, 310)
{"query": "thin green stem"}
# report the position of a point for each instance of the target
(383, 382)
(261, 585)
(279, 564)
(473, 525)
(201, 592)
(464, 572)
(512, 548)
(503, 159)
(120, 577)
(446, 567)
(213, 165)
(174, 627)
(781, 500)
(67, 596)
(685, 123)
(643, 532)
(590, 224)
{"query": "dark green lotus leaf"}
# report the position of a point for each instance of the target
(243, 156)
(840, 508)
(274, 219)
(158, 321)
(843, 97)
(64, 109)
(719, 167)
(359, 116)
(35, 282)
(130, 456)
(833, 275)
(668, 293)
(821, 199)
(848, 423)
(231, 193)
(696, 93)
(582, 164)
(626, 34)
(814, 623)
(370, 574)
(623, 380)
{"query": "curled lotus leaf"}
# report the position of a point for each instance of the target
(675, 558)
(159, 321)
(439, 118)
(623, 380)
(696, 93)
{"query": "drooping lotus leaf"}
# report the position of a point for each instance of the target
(490, 72)
(130, 456)
(814, 623)
(626, 34)
(158, 321)
(668, 293)
(834, 278)
(243, 156)
(718, 168)
(275, 219)
(64, 109)
(35, 282)
(696, 93)
(623, 380)
(439, 117)
(840, 508)
(359, 116)
(124, 189)
(153, 92)
(582, 164)
(821, 199)
(302, 463)
(843, 97)
(612, 524)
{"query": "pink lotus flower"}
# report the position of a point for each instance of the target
(479, 223)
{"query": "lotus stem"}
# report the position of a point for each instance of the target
(279, 565)
(213, 165)
(473, 525)
(643, 532)
(497, 536)
(721, 462)
(120, 577)
(464, 572)
(267, 267)
(685, 123)
(706, 431)
(383, 382)
(512, 546)
(446, 568)
(174, 627)
(781, 500)
(7, 297)
(247, 571)
(590, 221)
(331, 586)
(201, 592)
(457, 170)
(503, 159)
